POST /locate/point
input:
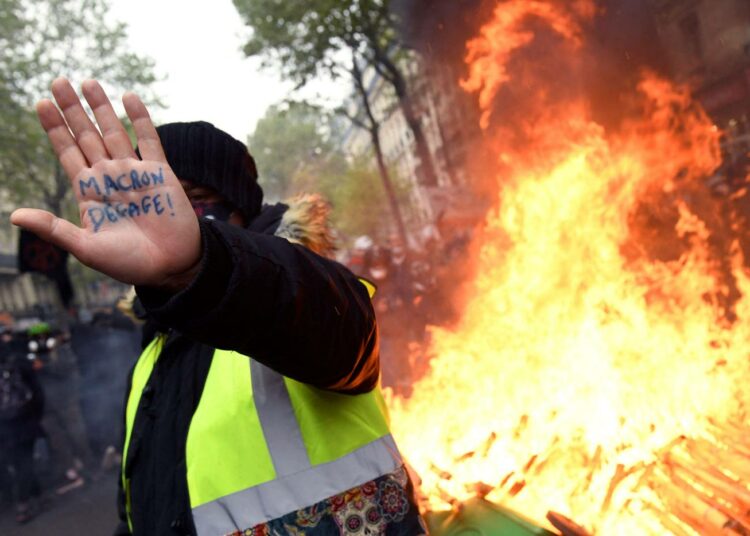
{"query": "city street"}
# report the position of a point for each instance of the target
(90, 510)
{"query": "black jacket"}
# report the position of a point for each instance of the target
(26, 426)
(303, 315)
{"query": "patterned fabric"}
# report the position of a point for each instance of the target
(382, 507)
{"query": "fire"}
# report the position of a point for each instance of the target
(585, 348)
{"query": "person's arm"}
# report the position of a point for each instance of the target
(304, 316)
(310, 320)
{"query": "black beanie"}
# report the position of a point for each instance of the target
(202, 154)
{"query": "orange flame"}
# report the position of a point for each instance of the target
(581, 352)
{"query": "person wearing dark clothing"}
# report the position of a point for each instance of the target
(21, 409)
(57, 368)
(254, 407)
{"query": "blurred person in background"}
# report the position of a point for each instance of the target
(357, 257)
(57, 366)
(394, 319)
(21, 408)
(400, 271)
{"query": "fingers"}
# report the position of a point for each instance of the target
(48, 227)
(149, 144)
(115, 136)
(109, 141)
(65, 147)
(86, 135)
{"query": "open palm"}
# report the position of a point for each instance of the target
(137, 224)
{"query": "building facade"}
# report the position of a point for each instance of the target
(446, 122)
(707, 44)
(24, 294)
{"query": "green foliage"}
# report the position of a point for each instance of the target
(292, 147)
(295, 151)
(305, 39)
(40, 40)
(43, 39)
(360, 205)
(284, 138)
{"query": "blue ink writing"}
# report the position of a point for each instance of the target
(157, 205)
(91, 183)
(96, 215)
(110, 212)
(124, 186)
(169, 202)
(109, 185)
(158, 178)
(134, 178)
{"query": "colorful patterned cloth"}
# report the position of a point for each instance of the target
(382, 507)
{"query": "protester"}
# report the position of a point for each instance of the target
(400, 271)
(57, 366)
(394, 320)
(293, 439)
(357, 259)
(21, 407)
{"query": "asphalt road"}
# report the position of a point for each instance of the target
(88, 511)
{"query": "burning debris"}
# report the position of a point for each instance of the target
(704, 483)
(597, 373)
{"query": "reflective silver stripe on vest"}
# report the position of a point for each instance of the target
(279, 423)
(270, 500)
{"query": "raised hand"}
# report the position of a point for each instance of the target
(137, 224)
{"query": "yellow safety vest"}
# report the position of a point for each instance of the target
(261, 445)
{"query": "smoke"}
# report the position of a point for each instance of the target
(105, 355)
(591, 53)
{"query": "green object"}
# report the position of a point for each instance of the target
(39, 329)
(478, 517)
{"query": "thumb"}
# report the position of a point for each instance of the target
(49, 227)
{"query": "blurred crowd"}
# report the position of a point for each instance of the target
(60, 404)
(416, 284)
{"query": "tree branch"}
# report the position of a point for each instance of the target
(356, 121)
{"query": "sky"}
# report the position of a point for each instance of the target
(196, 45)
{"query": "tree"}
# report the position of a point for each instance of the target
(42, 39)
(360, 206)
(291, 146)
(310, 38)
(372, 125)
(295, 151)
(318, 38)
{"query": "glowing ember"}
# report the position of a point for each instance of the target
(582, 353)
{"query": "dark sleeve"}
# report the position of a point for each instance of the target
(307, 317)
